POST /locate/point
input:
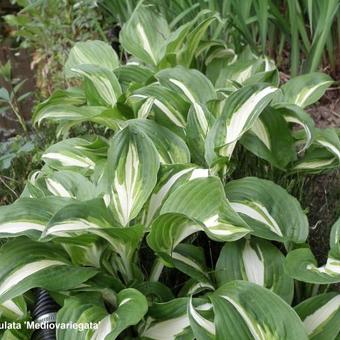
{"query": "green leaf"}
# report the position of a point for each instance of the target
(240, 111)
(130, 309)
(61, 183)
(323, 154)
(27, 264)
(93, 52)
(103, 87)
(208, 205)
(79, 219)
(262, 139)
(302, 265)
(78, 154)
(144, 35)
(200, 121)
(28, 216)
(171, 148)
(256, 261)
(14, 309)
(321, 316)
(172, 317)
(294, 114)
(170, 177)
(133, 164)
(244, 310)
(272, 213)
(168, 107)
(192, 84)
(304, 90)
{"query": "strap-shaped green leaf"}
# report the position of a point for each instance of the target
(133, 164)
(27, 264)
(244, 310)
(256, 261)
(241, 109)
(93, 52)
(268, 208)
(321, 316)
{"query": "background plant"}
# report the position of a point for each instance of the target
(147, 231)
(309, 29)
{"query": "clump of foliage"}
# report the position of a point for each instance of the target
(50, 28)
(107, 223)
(310, 29)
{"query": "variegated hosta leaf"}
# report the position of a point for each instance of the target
(167, 106)
(321, 316)
(133, 164)
(203, 200)
(76, 154)
(262, 139)
(171, 148)
(131, 74)
(241, 109)
(79, 219)
(271, 212)
(14, 309)
(93, 52)
(323, 154)
(244, 310)
(103, 87)
(304, 90)
(144, 35)
(131, 307)
(63, 183)
(170, 177)
(27, 264)
(29, 216)
(329, 139)
(199, 122)
(173, 319)
(256, 261)
(167, 231)
(190, 83)
(70, 97)
(248, 72)
(302, 265)
(72, 115)
(296, 115)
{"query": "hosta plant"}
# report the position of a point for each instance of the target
(142, 229)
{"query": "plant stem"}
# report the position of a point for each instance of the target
(156, 270)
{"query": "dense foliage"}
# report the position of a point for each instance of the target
(119, 228)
